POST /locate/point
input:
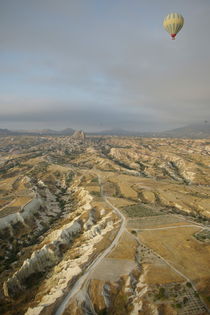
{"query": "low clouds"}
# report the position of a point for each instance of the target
(97, 65)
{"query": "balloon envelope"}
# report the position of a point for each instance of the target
(173, 23)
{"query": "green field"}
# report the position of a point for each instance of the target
(140, 210)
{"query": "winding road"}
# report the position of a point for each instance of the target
(78, 285)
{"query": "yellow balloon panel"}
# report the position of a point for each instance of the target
(173, 23)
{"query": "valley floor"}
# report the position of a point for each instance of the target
(104, 226)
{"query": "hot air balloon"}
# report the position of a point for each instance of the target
(173, 23)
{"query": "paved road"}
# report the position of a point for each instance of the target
(78, 285)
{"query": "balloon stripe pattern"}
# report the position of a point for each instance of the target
(173, 23)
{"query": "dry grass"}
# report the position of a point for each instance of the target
(100, 205)
(125, 182)
(140, 210)
(8, 210)
(72, 309)
(183, 197)
(33, 161)
(121, 202)
(125, 249)
(154, 222)
(15, 205)
(5, 201)
(179, 247)
(178, 224)
(161, 274)
(7, 183)
(93, 188)
(57, 168)
(97, 299)
(127, 191)
(21, 201)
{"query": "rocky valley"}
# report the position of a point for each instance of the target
(104, 225)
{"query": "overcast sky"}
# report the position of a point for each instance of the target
(101, 64)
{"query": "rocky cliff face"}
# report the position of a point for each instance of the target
(95, 227)
(39, 262)
(62, 252)
(25, 228)
(79, 135)
(25, 215)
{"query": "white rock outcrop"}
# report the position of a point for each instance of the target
(48, 256)
(26, 213)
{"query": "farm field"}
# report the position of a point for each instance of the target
(178, 246)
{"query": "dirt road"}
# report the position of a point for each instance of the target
(81, 281)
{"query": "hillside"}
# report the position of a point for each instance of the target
(118, 224)
(196, 131)
(45, 132)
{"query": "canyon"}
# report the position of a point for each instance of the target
(104, 225)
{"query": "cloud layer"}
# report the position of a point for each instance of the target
(103, 64)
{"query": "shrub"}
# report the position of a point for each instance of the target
(134, 232)
(96, 193)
